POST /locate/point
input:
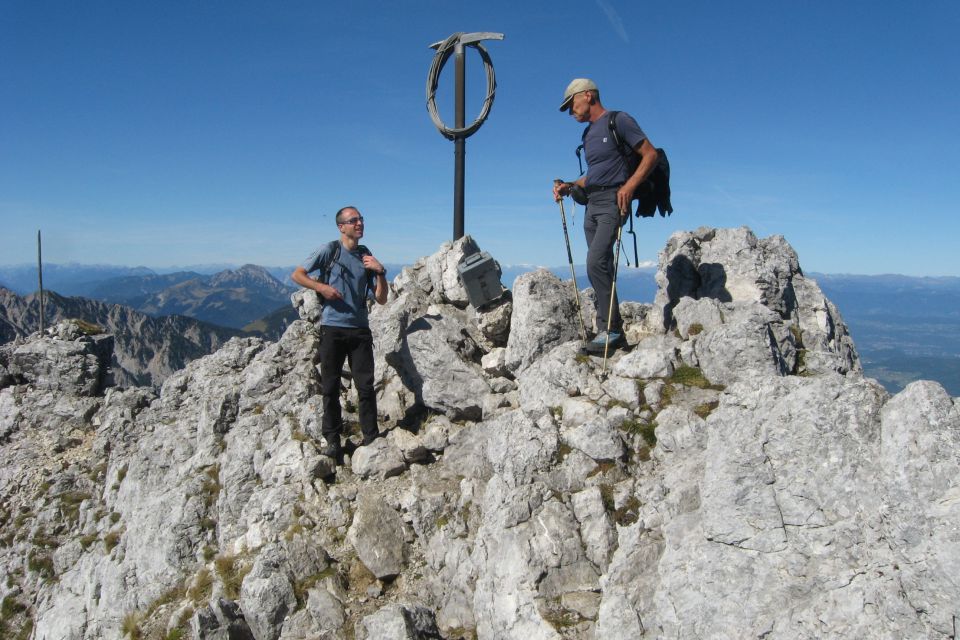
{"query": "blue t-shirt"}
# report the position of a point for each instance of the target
(605, 165)
(351, 279)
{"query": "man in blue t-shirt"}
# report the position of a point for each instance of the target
(349, 275)
(609, 187)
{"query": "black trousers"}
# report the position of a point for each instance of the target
(356, 345)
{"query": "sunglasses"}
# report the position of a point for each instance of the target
(353, 221)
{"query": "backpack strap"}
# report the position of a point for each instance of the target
(333, 255)
(369, 281)
(622, 147)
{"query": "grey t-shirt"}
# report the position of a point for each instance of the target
(606, 166)
(351, 279)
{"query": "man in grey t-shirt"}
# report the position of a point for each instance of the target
(349, 275)
(609, 186)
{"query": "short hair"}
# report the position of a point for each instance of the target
(340, 212)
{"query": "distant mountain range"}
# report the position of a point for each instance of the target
(905, 328)
(229, 298)
(146, 349)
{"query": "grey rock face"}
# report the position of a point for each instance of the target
(266, 599)
(399, 622)
(698, 487)
(220, 620)
(427, 348)
(596, 438)
(751, 341)
(728, 265)
(381, 459)
(377, 536)
(544, 316)
(721, 287)
(440, 354)
(653, 357)
(66, 360)
(920, 435)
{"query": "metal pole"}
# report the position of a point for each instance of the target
(454, 45)
(460, 144)
(613, 295)
(573, 273)
(40, 278)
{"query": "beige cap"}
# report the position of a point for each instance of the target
(576, 86)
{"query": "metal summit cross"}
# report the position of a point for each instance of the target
(454, 45)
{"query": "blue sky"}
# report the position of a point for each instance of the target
(183, 133)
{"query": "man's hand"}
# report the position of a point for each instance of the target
(560, 189)
(302, 278)
(328, 292)
(624, 198)
(372, 264)
(381, 288)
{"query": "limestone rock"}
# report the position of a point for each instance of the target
(544, 499)
(751, 342)
(596, 438)
(411, 447)
(653, 357)
(544, 316)
(437, 275)
(920, 435)
(267, 598)
(733, 266)
(440, 357)
(596, 529)
(399, 622)
(326, 609)
(380, 459)
(377, 537)
(68, 360)
(308, 304)
(221, 620)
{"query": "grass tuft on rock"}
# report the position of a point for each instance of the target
(691, 377)
(231, 570)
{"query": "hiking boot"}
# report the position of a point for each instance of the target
(368, 440)
(598, 344)
(334, 451)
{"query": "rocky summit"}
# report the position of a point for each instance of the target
(731, 474)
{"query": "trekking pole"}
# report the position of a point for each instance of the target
(636, 258)
(576, 289)
(613, 296)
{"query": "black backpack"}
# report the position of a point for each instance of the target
(333, 251)
(654, 192)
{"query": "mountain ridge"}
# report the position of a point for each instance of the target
(147, 349)
(733, 474)
(907, 327)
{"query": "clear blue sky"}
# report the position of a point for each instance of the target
(180, 133)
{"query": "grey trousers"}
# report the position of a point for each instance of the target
(600, 225)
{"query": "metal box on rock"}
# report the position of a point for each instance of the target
(480, 274)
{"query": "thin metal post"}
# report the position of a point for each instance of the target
(454, 45)
(460, 144)
(40, 278)
(573, 273)
(613, 296)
